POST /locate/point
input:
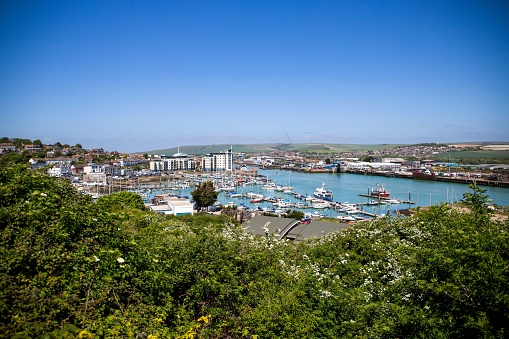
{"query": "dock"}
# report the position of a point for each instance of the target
(385, 199)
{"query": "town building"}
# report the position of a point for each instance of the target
(177, 162)
(60, 170)
(220, 161)
(166, 204)
(7, 147)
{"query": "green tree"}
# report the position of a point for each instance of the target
(120, 201)
(78, 146)
(38, 142)
(478, 201)
(298, 215)
(204, 195)
(10, 158)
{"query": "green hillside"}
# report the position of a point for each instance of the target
(257, 148)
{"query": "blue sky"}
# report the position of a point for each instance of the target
(144, 75)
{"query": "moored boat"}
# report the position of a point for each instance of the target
(380, 192)
(322, 193)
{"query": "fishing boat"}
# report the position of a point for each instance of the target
(322, 193)
(380, 191)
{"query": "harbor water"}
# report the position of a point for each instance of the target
(348, 188)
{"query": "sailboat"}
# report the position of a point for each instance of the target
(288, 189)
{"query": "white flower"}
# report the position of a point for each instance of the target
(120, 260)
(96, 258)
(44, 194)
(325, 294)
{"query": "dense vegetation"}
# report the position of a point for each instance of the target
(74, 268)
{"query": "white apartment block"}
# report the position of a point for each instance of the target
(178, 162)
(222, 161)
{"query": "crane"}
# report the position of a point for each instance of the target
(291, 143)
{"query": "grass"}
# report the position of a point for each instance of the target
(475, 154)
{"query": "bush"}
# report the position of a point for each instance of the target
(74, 268)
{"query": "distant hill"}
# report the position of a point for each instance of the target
(257, 148)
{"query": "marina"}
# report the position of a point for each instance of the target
(348, 197)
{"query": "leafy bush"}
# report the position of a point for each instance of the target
(74, 268)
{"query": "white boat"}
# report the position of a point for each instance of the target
(269, 186)
(323, 193)
(254, 195)
(321, 205)
(317, 215)
(284, 203)
(392, 201)
(345, 218)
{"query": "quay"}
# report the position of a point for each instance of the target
(457, 180)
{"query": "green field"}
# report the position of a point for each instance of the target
(481, 156)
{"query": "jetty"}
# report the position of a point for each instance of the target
(380, 199)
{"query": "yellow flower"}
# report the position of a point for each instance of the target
(85, 334)
(205, 318)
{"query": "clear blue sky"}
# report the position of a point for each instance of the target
(144, 75)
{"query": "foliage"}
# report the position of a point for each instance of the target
(121, 200)
(204, 195)
(295, 214)
(478, 202)
(74, 268)
(12, 157)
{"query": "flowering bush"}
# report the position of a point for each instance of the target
(74, 268)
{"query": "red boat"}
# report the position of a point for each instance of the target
(380, 191)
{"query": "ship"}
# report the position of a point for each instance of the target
(322, 193)
(423, 175)
(380, 192)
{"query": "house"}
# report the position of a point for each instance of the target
(93, 168)
(60, 170)
(77, 169)
(180, 206)
(166, 204)
(32, 148)
(37, 163)
(7, 147)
